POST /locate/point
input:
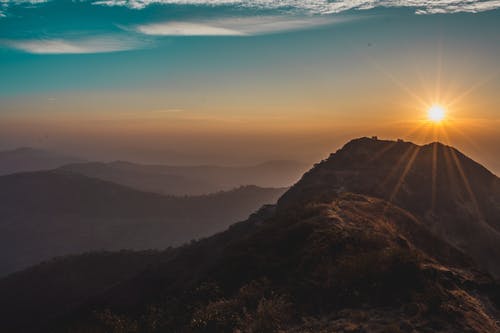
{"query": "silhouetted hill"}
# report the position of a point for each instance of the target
(457, 198)
(352, 263)
(191, 180)
(49, 213)
(30, 159)
(324, 259)
(49, 290)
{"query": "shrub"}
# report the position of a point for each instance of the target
(272, 315)
(115, 323)
(217, 316)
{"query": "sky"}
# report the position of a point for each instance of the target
(240, 82)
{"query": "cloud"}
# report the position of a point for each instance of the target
(82, 46)
(243, 26)
(309, 6)
(18, 2)
(324, 6)
(186, 29)
(4, 4)
(456, 6)
(302, 6)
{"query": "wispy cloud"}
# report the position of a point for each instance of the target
(4, 4)
(309, 6)
(17, 2)
(325, 6)
(262, 17)
(457, 6)
(186, 29)
(82, 46)
(243, 26)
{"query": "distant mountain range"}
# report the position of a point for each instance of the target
(73, 206)
(191, 180)
(30, 159)
(163, 179)
(52, 213)
(382, 236)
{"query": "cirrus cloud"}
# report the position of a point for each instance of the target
(4, 4)
(242, 26)
(235, 18)
(101, 44)
(309, 6)
(324, 6)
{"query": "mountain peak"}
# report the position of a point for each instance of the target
(454, 195)
(365, 144)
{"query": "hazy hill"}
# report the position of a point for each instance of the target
(324, 259)
(46, 214)
(30, 159)
(191, 180)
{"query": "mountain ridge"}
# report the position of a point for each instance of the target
(49, 213)
(436, 182)
(190, 180)
(25, 159)
(341, 251)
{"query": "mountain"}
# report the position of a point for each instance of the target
(335, 254)
(74, 279)
(191, 180)
(30, 159)
(49, 213)
(444, 188)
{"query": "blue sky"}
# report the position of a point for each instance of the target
(137, 43)
(171, 74)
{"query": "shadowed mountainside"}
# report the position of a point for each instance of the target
(351, 263)
(191, 180)
(49, 213)
(52, 288)
(324, 259)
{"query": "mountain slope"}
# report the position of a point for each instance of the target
(54, 287)
(324, 259)
(191, 180)
(351, 263)
(30, 159)
(47, 214)
(456, 198)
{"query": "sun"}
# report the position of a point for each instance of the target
(436, 113)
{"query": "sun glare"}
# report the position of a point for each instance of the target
(436, 113)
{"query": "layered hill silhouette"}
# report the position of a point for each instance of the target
(31, 159)
(364, 242)
(191, 180)
(51, 213)
(163, 179)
